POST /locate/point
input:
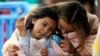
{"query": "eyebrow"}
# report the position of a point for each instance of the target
(45, 22)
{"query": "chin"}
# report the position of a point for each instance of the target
(38, 37)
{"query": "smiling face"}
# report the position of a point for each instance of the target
(43, 27)
(65, 27)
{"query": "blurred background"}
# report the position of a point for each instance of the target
(10, 10)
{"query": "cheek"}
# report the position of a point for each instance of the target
(60, 27)
(49, 33)
(73, 34)
(37, 28)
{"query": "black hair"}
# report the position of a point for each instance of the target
(40, 13)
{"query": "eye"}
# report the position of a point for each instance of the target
(44, 24)
(60, 27)
(70, 31)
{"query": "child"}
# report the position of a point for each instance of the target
(76, 29)
(39, 25)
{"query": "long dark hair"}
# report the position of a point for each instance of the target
(73, 13)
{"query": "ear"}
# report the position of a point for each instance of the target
(34, 20)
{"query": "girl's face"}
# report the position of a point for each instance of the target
(43, 27)
(64, 27)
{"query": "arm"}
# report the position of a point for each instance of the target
(12, 40)
(9, 46)
(94, 23)
(87, 50)
(23, 42)
(23, 38)
(96, 44)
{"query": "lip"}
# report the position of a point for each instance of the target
(43, 35)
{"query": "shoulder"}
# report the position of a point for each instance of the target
(92, 17)
(94, 22)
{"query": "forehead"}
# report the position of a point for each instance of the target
(64, 24)
(50, 22)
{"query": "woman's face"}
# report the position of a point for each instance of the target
(43, 27)
(64, 27)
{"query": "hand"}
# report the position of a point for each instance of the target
(12, 50)
(20, 24)
(44, 52)
(64, 45)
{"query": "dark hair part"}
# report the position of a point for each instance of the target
(40, 13)
(73, 13)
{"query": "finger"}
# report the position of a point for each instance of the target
(44, 54)
(65, 49)
(19, 20)
(12, 48)
(44, 49)
(63, 45)
(12, 54)
(63, 42)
